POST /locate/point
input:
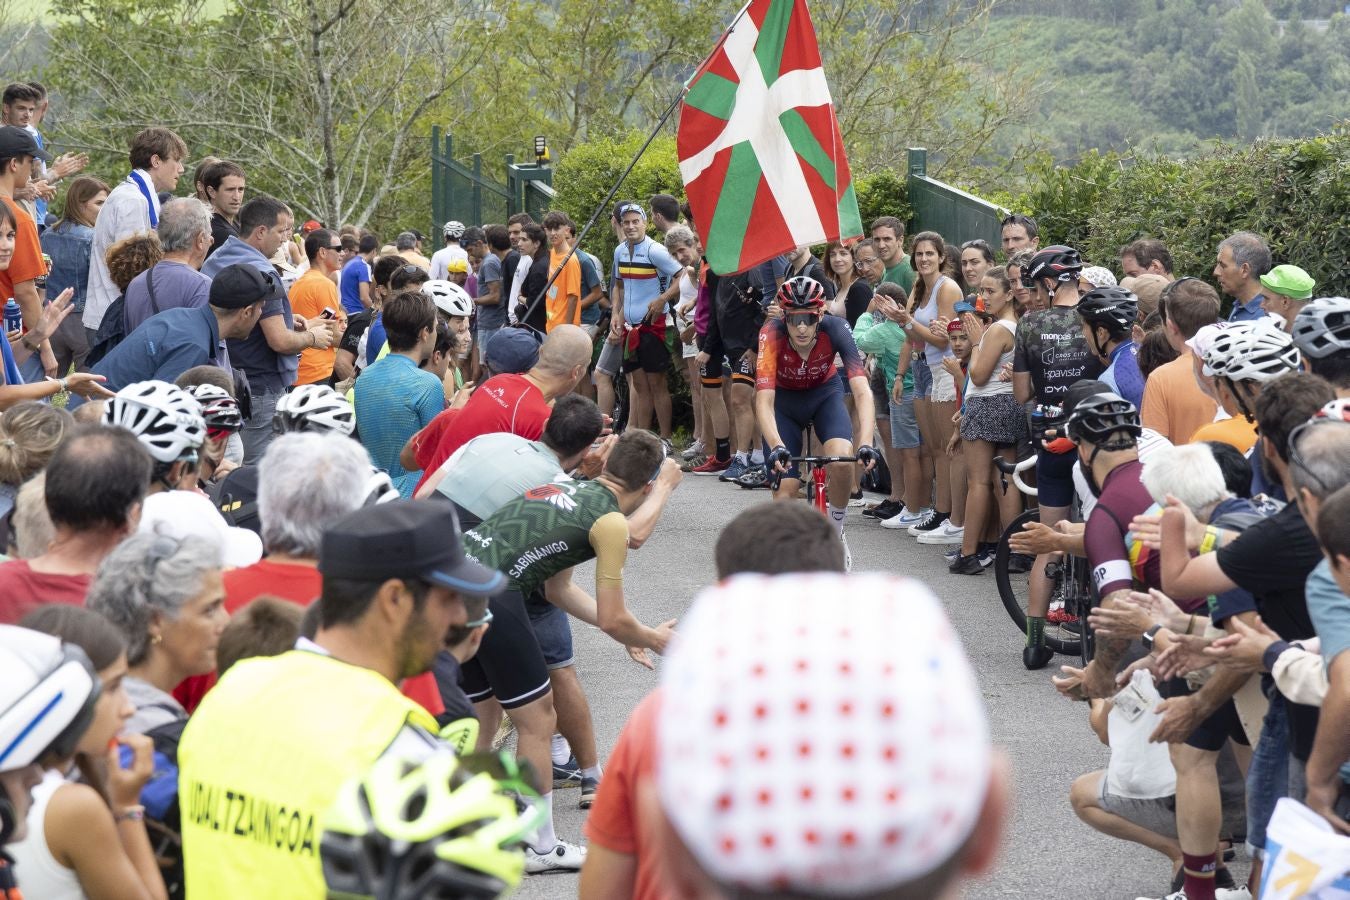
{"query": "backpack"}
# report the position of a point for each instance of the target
(113, 329)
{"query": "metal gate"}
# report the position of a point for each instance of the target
(463, 192)
(949, 211)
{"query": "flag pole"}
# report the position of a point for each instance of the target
(660, 123)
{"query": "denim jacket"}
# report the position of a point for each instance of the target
(69, 245)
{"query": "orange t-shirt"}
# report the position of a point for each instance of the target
(1174, 406)
(613, 822)
(567, 282)
(311, 293)
(1236, 432)
(26, 264)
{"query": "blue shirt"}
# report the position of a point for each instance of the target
(268, 372)
(1249, 311)
(375, 338)
(590, 277)
(645, 272)
(354, 274)
(394, 401)
(69, 245)
(1123, 375)
(164, 347)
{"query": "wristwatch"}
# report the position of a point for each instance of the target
(1149, 636)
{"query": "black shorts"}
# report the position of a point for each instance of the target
(731, 360)
(1054, 477)
(1212, 733)
(509, 664)
(652, 354)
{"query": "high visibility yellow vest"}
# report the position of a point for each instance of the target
(261, 760)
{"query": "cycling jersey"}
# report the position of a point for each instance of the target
(1123, 376)
(780, 366)
(645, 271)
(1105, 539)
(1051, 347)
(551, 528)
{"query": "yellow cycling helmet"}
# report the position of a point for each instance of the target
(439, 828)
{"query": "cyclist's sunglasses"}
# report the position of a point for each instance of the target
(795, 319)
(218, 432)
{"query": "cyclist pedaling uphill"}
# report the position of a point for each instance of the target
(798, 385)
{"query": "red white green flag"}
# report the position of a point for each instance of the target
(760, 150)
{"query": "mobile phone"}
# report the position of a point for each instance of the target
(328, 313)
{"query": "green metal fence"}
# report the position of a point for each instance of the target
(949, 211)
(462, 191)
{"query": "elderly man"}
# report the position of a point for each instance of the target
(175, 281)
(1243, 258)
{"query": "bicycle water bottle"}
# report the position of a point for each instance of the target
(13, 316)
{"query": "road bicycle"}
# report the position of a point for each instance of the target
(1071, 591)
(815, 476)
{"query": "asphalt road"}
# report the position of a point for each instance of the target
(1047, 852)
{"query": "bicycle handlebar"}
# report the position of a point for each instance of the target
(1015, 470)
(824, 459)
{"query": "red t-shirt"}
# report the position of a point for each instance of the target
(22, 590)
(508, 403)
(301, 585)
(613, 822)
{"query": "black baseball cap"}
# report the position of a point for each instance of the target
(241, 285)
(405, 539)
(15, 141)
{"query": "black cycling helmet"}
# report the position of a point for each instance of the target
(802, 294)
(1112, 308)
(1058, 262)
(1097, 418)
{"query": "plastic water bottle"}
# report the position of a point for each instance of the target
(13, 316)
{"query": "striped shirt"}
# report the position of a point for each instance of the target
(645, 272)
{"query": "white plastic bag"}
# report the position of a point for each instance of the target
(1138, 770)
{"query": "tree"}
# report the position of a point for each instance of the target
(322, 101)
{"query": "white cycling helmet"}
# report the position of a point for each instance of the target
(454, 229)
(166, 419)
(47, 695)
(1322, 327)
(1259, 350)
(379, 488)
(449, 297)
(314, 407)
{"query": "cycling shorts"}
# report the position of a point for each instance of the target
(553, 630)
(1054, 478)
(823, 406)
(736, 363)
(510, 664)
(652, 353)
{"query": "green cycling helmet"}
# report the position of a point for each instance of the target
(440, 828)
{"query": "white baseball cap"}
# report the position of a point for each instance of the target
(807, 744)
(179, 514)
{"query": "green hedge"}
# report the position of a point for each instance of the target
(1296, 193)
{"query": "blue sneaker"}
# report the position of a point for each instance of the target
(568, 774)
(735, 470)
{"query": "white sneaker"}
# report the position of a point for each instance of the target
(1179, 895)
(564, 857)
(694, 450)
(905, 518)
(946, 533)
(1233, 893)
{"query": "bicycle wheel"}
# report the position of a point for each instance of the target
(1082, 598)
(1015, 591)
